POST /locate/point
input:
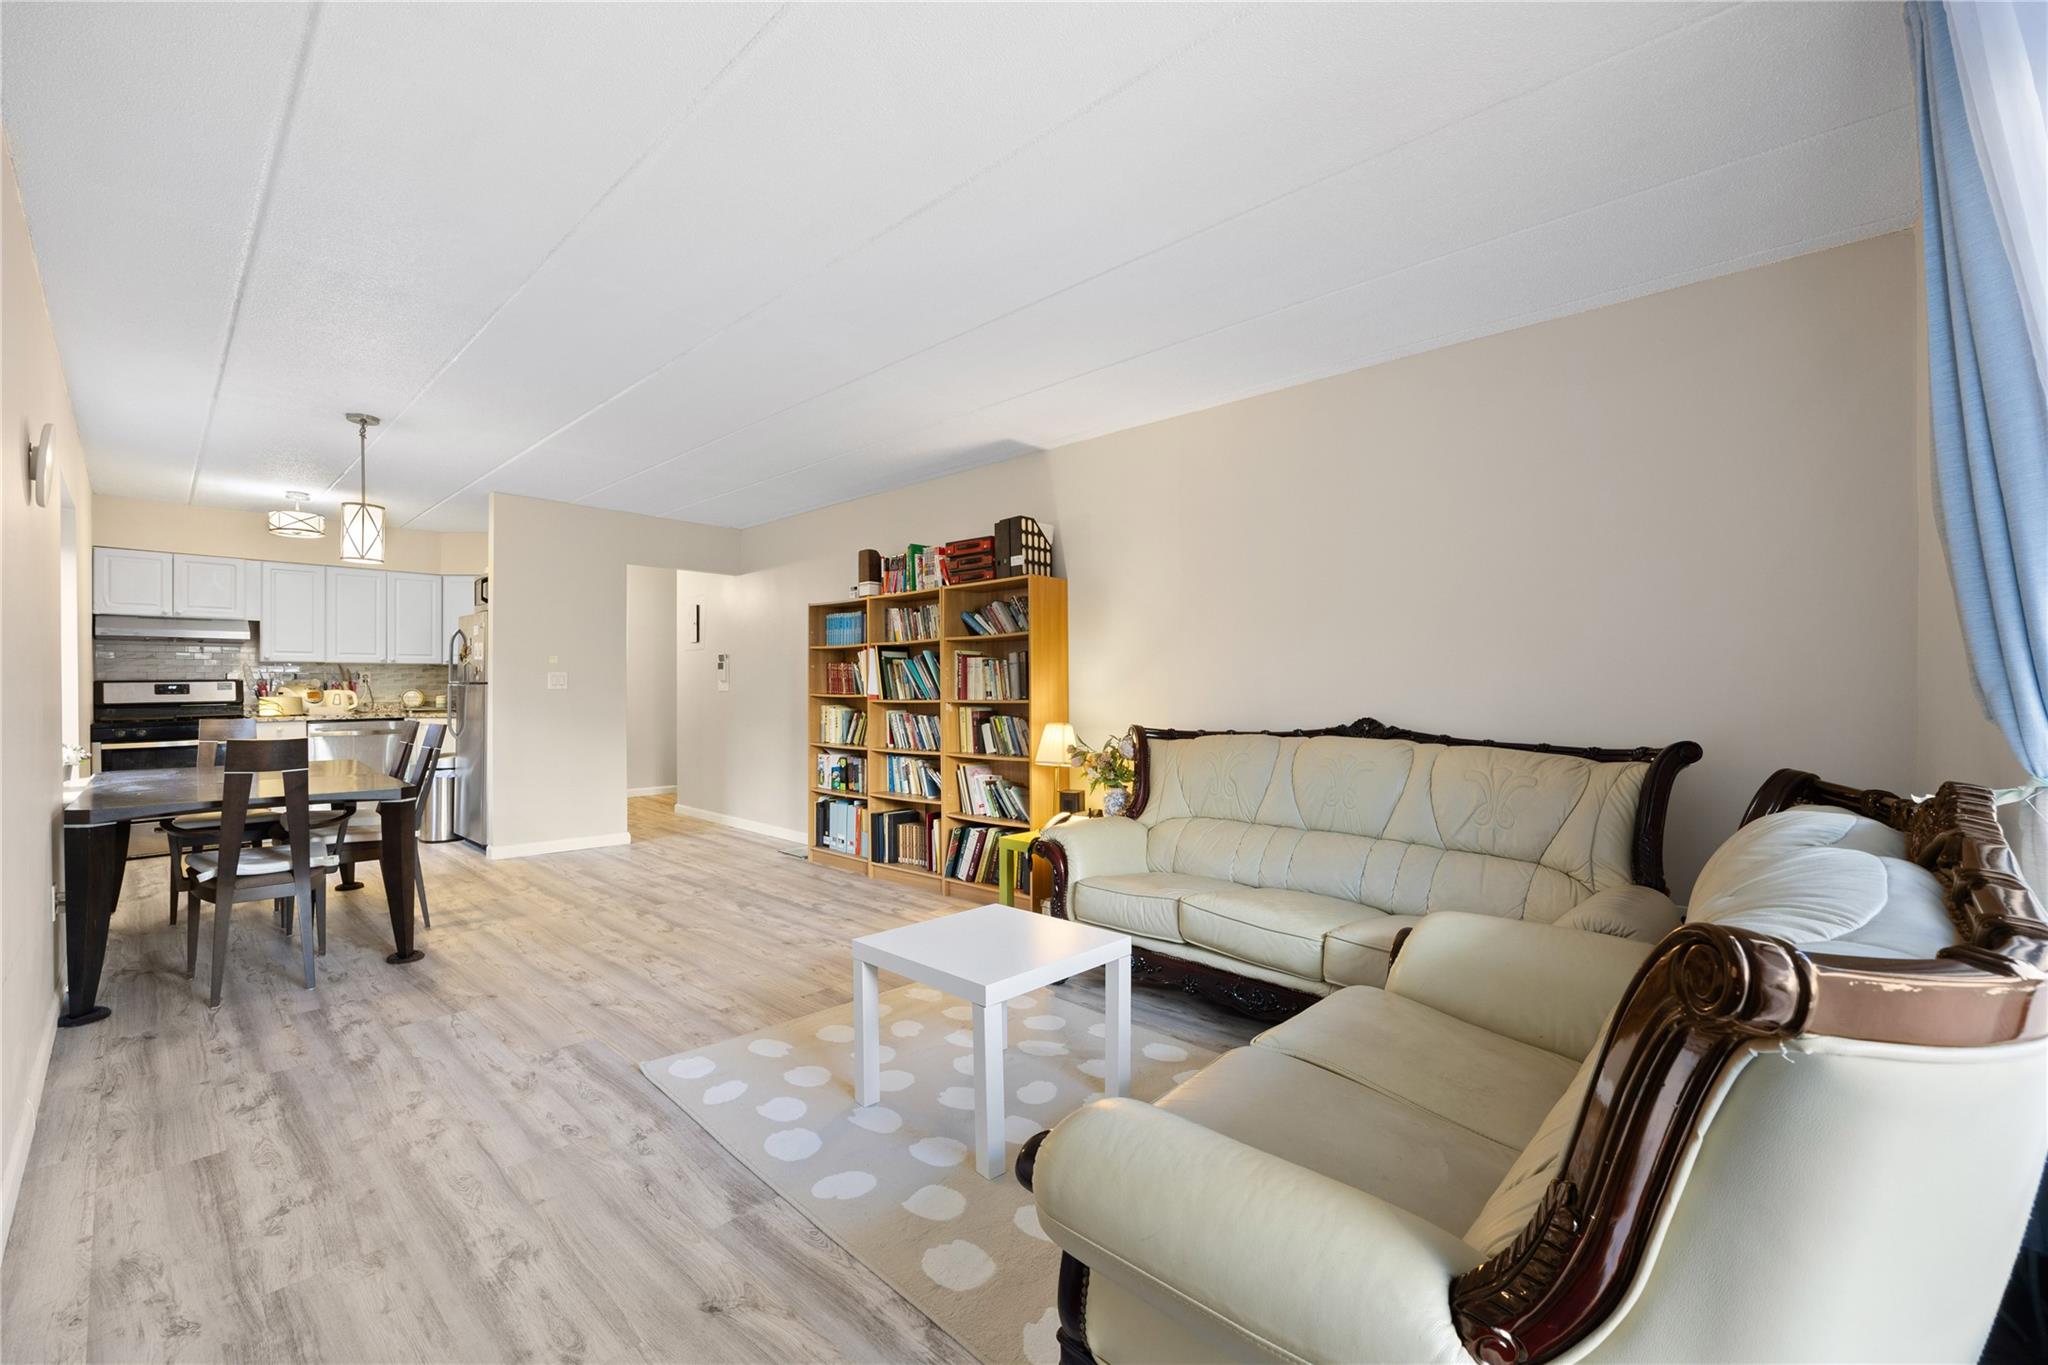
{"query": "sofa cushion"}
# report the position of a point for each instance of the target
(1357, 953)
(1493, 1086)
(1368, 1139)
(1824, 879)
(1282, 929)
(1143, 903)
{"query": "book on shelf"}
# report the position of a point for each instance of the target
(1004, 616)
(910, 730)
(840, 826)
(989, 794)
(911, 777)
(971, 854)
(904, 675)
(846, 677)
(983, 731)
(988, 677)
(911, 623)
(846, 627)
(847, 725)
(842, 772)
(904, 838)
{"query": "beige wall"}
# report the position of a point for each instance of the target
(558, 604)
(650, 678)
(180, 528)
(1686, 516)
(32, 392)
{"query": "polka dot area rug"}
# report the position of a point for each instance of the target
(895, 1183)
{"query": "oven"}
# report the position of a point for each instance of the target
(138, 726)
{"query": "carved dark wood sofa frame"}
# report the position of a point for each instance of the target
(1269, 1001)
(1703, 994)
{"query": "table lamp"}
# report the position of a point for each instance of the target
(1053, 744)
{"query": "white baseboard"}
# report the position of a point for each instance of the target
(719, 817)
(669, 790)
(498, 851)
(25, 1123)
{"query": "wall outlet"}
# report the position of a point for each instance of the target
(558, 682)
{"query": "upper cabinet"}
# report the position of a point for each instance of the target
(415, 618)
(204, 586)
(357, 610)
(458, 599)
(131, 582)
(294, 625)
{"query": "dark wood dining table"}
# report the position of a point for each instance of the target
(96, 823)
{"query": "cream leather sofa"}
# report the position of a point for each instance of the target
(1266, 869)
(1806, 1125)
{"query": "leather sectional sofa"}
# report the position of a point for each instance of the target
(1806, 1125)
(1265, 869)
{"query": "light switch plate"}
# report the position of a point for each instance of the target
(558, 682)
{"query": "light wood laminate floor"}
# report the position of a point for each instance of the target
(458, 1159)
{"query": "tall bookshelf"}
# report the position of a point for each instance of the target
(1043, 646)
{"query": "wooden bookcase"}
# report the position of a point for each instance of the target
(1044, 646)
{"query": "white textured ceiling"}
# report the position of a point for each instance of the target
(726, 263)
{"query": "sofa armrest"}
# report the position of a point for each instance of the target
(1106, 847)
(1630, 911)
(1267, 1253)
(1549, 987)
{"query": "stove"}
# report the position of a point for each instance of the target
(138, 725)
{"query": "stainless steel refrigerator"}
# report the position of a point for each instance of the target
(469, 723)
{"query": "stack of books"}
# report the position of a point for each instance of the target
(971, 854)
(984, 677)
(846, 627)
(984, 793)
(911, 623)
(842, 772)
(904, 676)
(844, 679)
(1004, 616)
(912, 777)
(906, 838)
(840, 827)
(915, 570)
(847, 725)
(911, 730)
(992, 732)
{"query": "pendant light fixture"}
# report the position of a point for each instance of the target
(362, 522)
(298, 523)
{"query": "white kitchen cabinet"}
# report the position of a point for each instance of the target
(415, 635)
(131, 582)
(358, 608)
(458, 599)
(294, 628)
(202, 585)
(252, 589)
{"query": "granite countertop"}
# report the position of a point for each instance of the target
(377, 711)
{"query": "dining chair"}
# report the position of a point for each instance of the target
(231, 874)
(188, 834)
(362, 836)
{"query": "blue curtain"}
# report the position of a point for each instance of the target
(1989, 407)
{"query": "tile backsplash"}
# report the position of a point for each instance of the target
(154, 660)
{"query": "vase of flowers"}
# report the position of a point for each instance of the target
(1110, 769)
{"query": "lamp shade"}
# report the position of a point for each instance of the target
(298, 524)
(1054, 743)
(362, 533)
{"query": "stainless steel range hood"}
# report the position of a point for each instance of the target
(168, 628)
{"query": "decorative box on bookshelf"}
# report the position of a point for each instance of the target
(924, 715)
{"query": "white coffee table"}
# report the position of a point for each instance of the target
(988, 956)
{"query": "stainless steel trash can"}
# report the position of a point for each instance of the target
(437, 822)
